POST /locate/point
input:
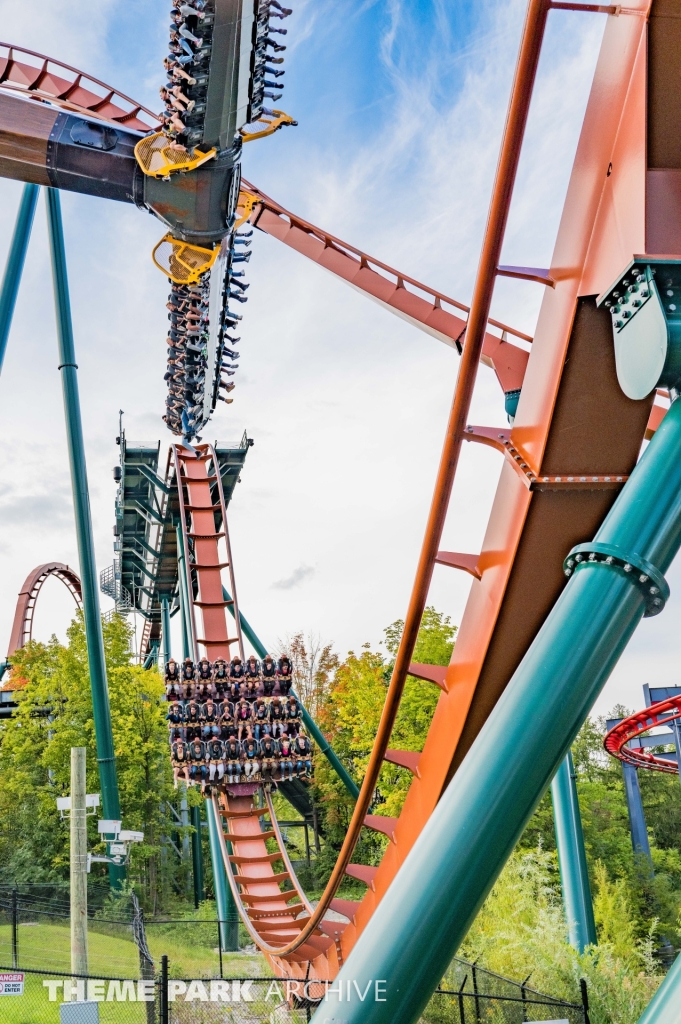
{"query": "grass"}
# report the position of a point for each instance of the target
(112, 953)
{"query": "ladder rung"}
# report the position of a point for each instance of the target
(213, 604)
(265, 858)
(232, 838)
(203, 508)
(209, 565)
(216, 643)
(245, 880)
(205, 536)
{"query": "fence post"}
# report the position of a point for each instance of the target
(220, 940)
(475, 990)
(462, 1012)
(585, 1000)
(164, 990)
(15, 930)
(523, 995)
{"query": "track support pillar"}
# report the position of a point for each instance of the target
(197, 856)
(574, 874)
(15, 263)
(224, 901)
(81, 502)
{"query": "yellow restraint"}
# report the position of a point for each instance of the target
(156, 158)
(181, 262)
(273, 124)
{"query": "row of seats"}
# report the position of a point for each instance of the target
(235, 679)
(273, 717)
(268, 760)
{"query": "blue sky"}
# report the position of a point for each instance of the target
(400, 109)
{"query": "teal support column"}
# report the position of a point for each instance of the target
(185, 614)
(406, 947)
(197, 856)
(152, 657)
(664, 1006)
(309, 722)
(81, 503)
(227, 912)
(574, 873)
(15, 263)
(165, 630)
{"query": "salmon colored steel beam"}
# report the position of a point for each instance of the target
(22, 628)
(389, 288)
(46, 81)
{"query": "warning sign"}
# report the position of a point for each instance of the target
(11, 984)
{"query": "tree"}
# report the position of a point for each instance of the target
(313, 666)
(349, 716)
(54, 714)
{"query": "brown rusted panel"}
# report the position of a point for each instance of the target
(664, 84)
(663, 211)
(24, 131)
(597, 430)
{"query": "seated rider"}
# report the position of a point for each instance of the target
(204, 679)
(251, 749)
(197, 755)
(284, 675)
(173, 681)
(227, 725)
(253, 669)
(175, 719)
(216, 759)
(277, 717)
(180, 760)
(236, 669)
(268, 671)
(293, 713)
(233, 752)
(188, 677)
(210, 718)
(243, 717)
(260, 715)
(220, 677)
(249, 689)
(285, 758)
(269, 753)
(302, 751)
(192, 720)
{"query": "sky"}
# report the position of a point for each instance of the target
(400, 108)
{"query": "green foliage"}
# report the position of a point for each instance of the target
(349, 715)
(521, 930)
(654, 899)
(55, 714)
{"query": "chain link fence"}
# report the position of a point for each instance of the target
(46, 997)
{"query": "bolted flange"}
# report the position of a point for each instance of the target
(645, 306)
(638, 571)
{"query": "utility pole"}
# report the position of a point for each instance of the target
(78, 823)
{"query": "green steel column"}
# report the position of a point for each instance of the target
(227, 912)
(574, 872)
(165, 630)
(309, 722)
(81, 502)
(404, 951)
(197, 856)
(15, 263)
(185, 614)
(664, 1006)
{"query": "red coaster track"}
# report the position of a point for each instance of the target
(662, 713)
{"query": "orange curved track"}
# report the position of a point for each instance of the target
(42, 78)
(573, 444)
(662, 713)
(22, 628)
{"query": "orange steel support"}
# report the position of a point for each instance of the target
(362, 272)
(201, 501)
(22, 628)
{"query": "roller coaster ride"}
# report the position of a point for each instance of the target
(582, 529)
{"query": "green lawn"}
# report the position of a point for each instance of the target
(46, 947)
